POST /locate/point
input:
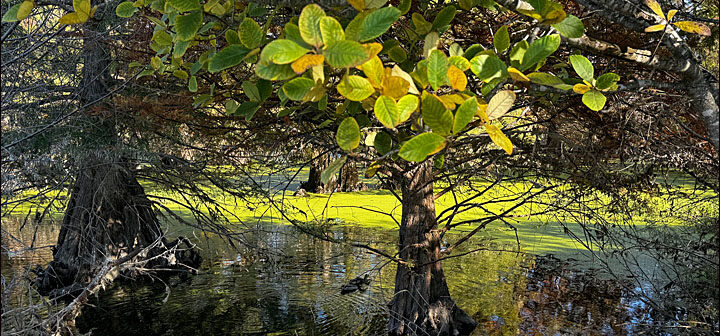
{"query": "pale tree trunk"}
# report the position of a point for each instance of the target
(422, 303)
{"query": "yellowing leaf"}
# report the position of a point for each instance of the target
(581, 88)
(671, 14)
(499, 138)
(373, 48)
(396, 71)
(72, 18)
(654, 28)
(373, 70)
(394, 86)
(447, 101)
(357, 4)
(482, 113)
(500, 104)
(373, 168)
(24, 10)
(555, 16)
(82, 7)
(307, 61)
(458, 81)
(655, 6)
(517, 75)
(693, 27)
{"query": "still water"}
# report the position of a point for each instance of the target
(281, 282)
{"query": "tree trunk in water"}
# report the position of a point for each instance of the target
(108, 215)
(313, 183)
(349, 180)
(422, 303)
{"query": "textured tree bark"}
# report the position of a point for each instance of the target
(349, 180)
(108, 214)
(314, 183)
(422, 303)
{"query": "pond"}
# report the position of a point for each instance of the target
(286, 283)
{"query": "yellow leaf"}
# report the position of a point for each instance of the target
(500, 104)
(482, 113)
(396, 71)
(25, 9)
(517, 75)
(554, 17)
(373, 48)
(372, 170)
(306, 61)
(82, 8)
(693, 27)
(447, 101)
(456, 98)
(318, 73)
(654, 28)
(581, 88)
(357, 4)
(394, 86)
(671, 14)
(373, 70)
(499, 138)
(72, 18)
(655, 7)
(458, 81)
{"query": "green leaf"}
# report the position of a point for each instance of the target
(332, 169)
(382, 143)
(309, 24)
(594, 99)
(231, 56)
(455, 50)
(345, 54)
(282, 52)
(422, 26)
(406, 106)
(466, 4)
(369, 25)
(488, 67)
(125, 9)
(297, 88)
(501, 40)
(571, 27)
(548, 80)
(231, 37)
(459, 62)
(418, 148)
(473, 50)
(397, 54)
(292, 33)
(192, 84)
(251, 90)
(161, 37)
(11, 14)
(273, 72)
(435, 115)
(188, 25)
(583, 67)
(248, 109)
(606, 81)
(443, 18)
(250, 33)
(331, 30)
(539, 50)
(500, 104)
(518, 52)
(386, 111)
(348, 134)
(464, 114)
(437, 69)
(355, 88)
(404, 6)
(185, 5)
(230, 106)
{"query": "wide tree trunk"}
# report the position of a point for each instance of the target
(422, 303)
(108, 214)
